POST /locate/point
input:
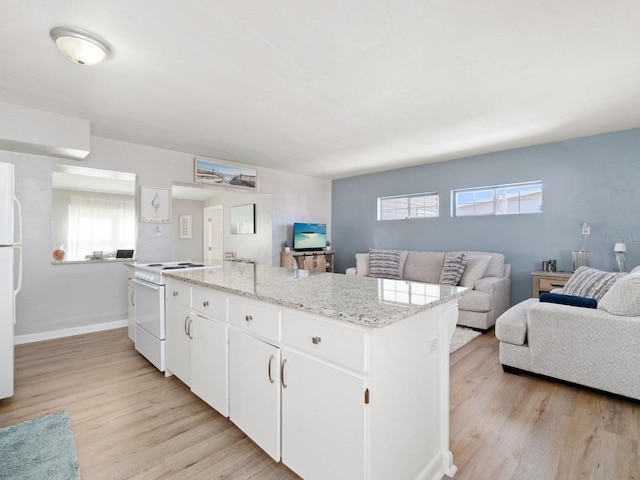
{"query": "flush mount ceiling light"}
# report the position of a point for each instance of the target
(79, 46)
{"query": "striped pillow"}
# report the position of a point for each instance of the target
(589, 282)
(452, 269)
(384, 264)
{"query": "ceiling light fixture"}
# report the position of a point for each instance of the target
(79, 46)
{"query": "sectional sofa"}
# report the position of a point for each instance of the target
(594, 347)
(485, 273)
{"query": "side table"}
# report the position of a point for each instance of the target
(547, 281)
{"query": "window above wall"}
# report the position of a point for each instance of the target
(419, 205)
(510, 199)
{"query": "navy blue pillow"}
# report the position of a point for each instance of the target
(571, 300)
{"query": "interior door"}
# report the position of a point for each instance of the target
(213, 229)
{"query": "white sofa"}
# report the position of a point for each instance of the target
(594, 347)
(485, 273)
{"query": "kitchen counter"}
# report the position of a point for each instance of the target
(365, 301)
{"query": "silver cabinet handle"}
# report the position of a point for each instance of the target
(271, 380)
(248, 318)
(189, 329)
(175, 293)
(133, 297)
(284, 384)
(186, 320)
(205, 303)
(316, 340)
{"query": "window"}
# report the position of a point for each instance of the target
(512, 199)
(421, 205)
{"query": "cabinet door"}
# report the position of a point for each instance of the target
(323, 419)
(131, 311)
(178, 348)
(254, 390)
(209, 378)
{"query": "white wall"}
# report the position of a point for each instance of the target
(58, 297)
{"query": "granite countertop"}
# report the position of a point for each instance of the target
(365, 301)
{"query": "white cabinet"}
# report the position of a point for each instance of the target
(178, 343)
(323, 419)
(254, 390)
(209, 367)
(197, 342)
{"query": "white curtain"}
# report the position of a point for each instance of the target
(99, 222)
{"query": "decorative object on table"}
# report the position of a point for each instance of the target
(549, 266)
(580, 258)
(328, 245)
(215, 172)
(243, 219)
(58, 253)
(620, 249)
(39, 448)
(155, 205)
(286, 245)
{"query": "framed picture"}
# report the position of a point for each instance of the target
(155, 205)
(213, 172)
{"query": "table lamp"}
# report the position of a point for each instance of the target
(619, 249)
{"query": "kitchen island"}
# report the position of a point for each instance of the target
(336, 376)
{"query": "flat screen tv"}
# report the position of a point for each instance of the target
(309, 236)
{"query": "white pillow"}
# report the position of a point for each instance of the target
(623, 298)
(635, 270)
(474, 269)
(362, 264)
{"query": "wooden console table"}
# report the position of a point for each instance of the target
(320, 261)
(547, 281)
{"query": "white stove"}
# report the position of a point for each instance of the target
(152, 272)
(149, 314)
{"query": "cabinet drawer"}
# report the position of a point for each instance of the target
(548, 284)
(178, 292)
(256, 317)
(210, 303)
(342, 345)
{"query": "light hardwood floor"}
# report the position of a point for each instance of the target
(130, 422)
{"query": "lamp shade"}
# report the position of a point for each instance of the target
(79, 46)
(620, 247)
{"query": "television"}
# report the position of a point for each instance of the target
(309, 236)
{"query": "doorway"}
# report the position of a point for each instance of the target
(213, 229)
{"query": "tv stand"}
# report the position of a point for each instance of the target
(314, 261)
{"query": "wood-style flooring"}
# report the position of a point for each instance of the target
(130, 422)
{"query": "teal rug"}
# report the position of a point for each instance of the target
(39, 449)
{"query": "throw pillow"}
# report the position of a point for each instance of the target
(635, 270)
(474, 269)
(623, 298)
(452, 269)
(570, 300)
(384, 264)
(589, 282)
(362, 264)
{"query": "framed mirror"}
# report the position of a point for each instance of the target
(242, 219)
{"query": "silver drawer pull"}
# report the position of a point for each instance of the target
(175, 293)
(248, 318)
(316, 340)
(282, 380)
(271, 380)
(205, 303)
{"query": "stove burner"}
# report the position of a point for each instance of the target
(174, 267)
(191, 264)
(154, 265)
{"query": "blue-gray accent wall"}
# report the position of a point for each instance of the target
(594, 179)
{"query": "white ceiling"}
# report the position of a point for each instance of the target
(333, 88)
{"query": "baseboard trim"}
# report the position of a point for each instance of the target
(68, 332)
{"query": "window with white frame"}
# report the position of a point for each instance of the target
(511, 199)
(420, 205)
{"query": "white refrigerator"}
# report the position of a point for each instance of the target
(10, 273)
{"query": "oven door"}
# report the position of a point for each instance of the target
(150, 308)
